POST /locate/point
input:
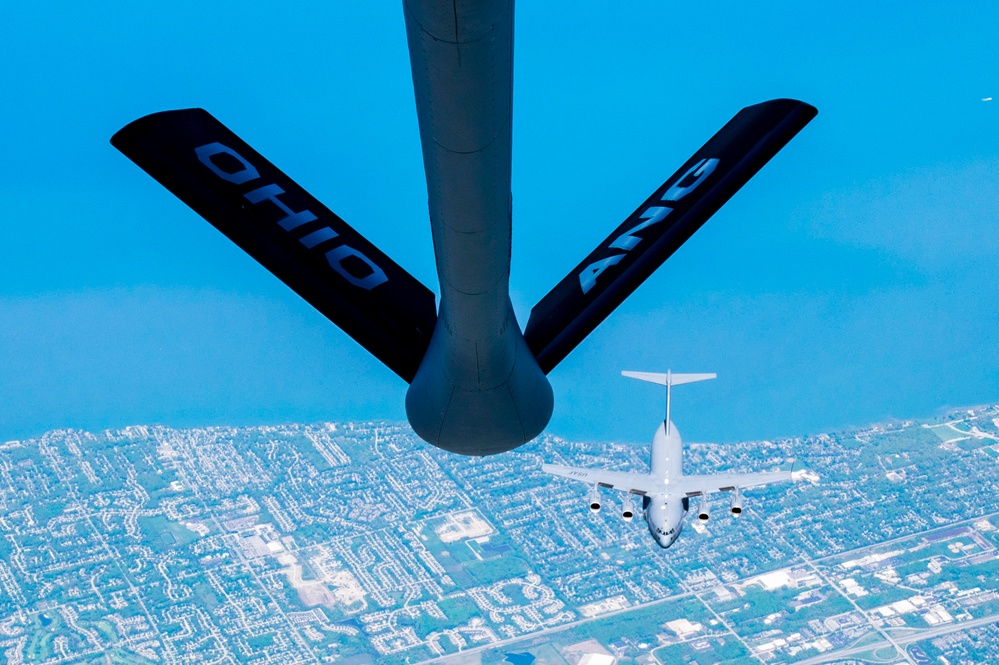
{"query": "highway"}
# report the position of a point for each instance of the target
(918, 636)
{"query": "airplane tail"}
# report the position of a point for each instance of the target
(651, 234)
(322, 258)
(669, 378)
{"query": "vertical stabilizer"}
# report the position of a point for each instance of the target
(669, 379)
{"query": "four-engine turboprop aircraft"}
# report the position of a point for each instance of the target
(666, 491)
(478, 383)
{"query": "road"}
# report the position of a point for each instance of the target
(824, 658)
(919, 636)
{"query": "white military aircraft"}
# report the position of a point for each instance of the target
(666, 490)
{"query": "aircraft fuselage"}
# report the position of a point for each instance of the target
(479, 389)
(664, 514)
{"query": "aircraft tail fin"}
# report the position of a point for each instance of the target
(669, 379)
(308, 247)
(651, 234)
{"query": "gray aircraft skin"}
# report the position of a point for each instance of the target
(666, 490)
(479, 389)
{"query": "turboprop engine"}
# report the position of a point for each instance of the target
(594, 500)
(702, 512)
(736, 503)
(627, 510)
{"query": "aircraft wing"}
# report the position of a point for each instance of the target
(636, 483)
(725, 482)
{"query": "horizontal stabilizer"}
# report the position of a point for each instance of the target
(293, 235)
(594, 288)
(668, 379)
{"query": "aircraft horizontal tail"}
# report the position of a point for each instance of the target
(668, 379)
(322, 258)
(651, 234)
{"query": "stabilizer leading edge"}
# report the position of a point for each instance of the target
(588, 294)
(669, 378)
(293, 235)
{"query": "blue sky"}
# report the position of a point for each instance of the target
(853, 280)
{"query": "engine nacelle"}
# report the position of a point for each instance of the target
(627, 510)
(702, 513)
(736, 503)
(594, 501)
